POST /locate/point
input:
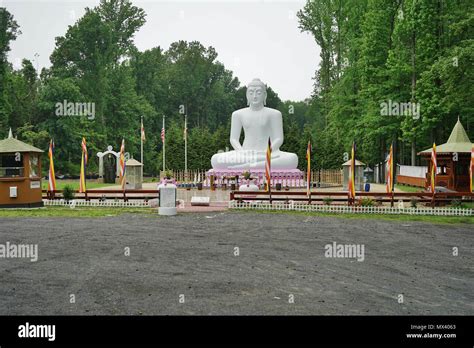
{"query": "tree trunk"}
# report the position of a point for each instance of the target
(413, 152)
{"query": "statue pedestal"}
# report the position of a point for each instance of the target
(289, 177)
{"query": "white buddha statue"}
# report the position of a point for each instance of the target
(259, 123)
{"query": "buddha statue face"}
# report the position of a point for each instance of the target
(256, 94)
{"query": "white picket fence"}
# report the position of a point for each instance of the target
(96, 203)
(296, 206)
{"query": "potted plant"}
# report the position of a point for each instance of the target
(247, 182)
(247, 175)
(68, 193)
(168, 174)
(168, 177)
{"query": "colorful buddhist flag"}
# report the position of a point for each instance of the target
(84, 149)
(389, 180)
(308, 172)
(434, 166)
(268, 166)
(143, 138)
(471, 169)
(51, 175)
(82, 177)
(122, 164)
(352, 192)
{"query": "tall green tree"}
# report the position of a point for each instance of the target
(9, 30)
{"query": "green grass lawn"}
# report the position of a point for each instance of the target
(74, 184)
(150, 179)
(76, 212)
(401, 218)
(56, 211)
(405, 188)
(467, 205)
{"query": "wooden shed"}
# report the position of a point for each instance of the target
(20, 174)
(453, 159)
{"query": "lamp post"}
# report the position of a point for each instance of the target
(186, 147)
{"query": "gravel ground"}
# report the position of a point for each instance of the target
(281, 256)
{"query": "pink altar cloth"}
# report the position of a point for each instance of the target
(289, 177)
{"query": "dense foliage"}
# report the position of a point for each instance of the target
(390, 51)
(372, 51)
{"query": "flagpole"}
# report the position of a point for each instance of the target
(392, 172)
(164, 141)
(186, 147)
(394, 169)
(141, 144)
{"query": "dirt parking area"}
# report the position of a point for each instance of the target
(236, 263)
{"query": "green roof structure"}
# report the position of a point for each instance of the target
(458, 142)
(12, 145)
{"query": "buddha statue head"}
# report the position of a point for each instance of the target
(256, 94)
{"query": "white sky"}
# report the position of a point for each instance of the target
(252, 38)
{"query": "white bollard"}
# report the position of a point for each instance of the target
(167, 199)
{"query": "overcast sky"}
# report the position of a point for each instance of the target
(252, 38)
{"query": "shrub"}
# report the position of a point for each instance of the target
(168, 174)
(327, 200)
(68, 193)
(367, 202)
(413, 203)
(456, 203)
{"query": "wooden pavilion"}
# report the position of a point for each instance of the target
(453, 160)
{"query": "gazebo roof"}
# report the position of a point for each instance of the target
(458, 141)
(358, 163)
(133, 163)
(11, 144)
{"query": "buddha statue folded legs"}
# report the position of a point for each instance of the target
(248, 159)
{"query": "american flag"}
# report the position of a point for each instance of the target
(268, 164)
(163, 134)
(143, 132)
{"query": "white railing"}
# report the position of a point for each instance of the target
(327, 176)
(438, 211)
(96, 203)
